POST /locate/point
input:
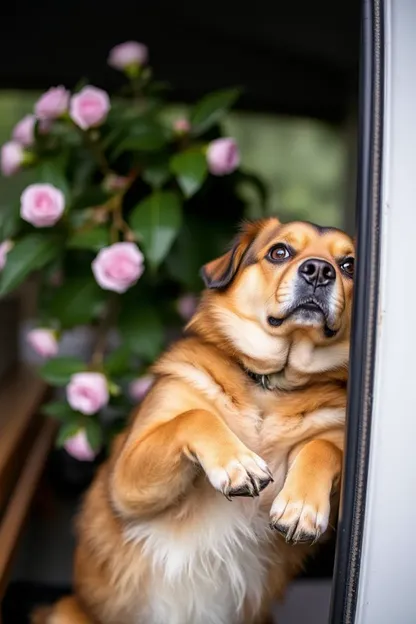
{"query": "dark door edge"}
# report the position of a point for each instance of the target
(363, 345)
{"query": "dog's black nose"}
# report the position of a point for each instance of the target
(317, 272)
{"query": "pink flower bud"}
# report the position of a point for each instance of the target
(114, 183)
(118, 267)
(78, 447)
(12, 156)
(87, 392)
(186, 306)
(52, 104)
(127, 55)
(57, 278)
(181, 126)
(140, 387)
(99, 214)
(42, 205)
(24, 131)
(43, 342)
(89, 108)
(223, 156)
(5, 247)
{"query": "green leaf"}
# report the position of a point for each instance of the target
(142, 330)
(9, 221)
(247, 182)
(155, 168)
(92, 238)
(118, 362)
(190, 169)
(156, 222)
(66, 431)
(62, 132)
(53, 172)
(59, 411)
(59, 371)
(82, 179)
(82, 82)
(94, 434)
(199, 240)
(211, 108)
(90, 198)
(29, 254)
(156, 175)
(143, 136)
(77, 302)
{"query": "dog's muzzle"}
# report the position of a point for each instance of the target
(312, 293)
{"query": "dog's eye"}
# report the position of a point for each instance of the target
(278, 253)
(347, 266)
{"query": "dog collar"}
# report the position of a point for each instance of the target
(261, 380)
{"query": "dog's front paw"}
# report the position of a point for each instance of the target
(245, 474)
(299, 518)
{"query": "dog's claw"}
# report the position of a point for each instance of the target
(244, 490)
(297, 520)
(269, 472)
(245, 475)
(251, 488)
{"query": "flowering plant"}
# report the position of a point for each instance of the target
(125, 208)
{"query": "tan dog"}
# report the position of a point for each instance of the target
(251, 399)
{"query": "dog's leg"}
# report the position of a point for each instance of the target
(301, 510)
(157, 465)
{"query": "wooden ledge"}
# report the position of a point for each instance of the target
(18, 506)
(25, 441)
(21, 394)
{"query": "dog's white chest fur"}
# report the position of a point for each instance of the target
(204, 574)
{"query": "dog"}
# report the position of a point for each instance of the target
(230, 467)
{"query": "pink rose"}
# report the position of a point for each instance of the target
(223, 156)
(140, 386)
(181, 126)
(118, 267)
(89, 108)
(12, 155)
(78, 446)
(42, 205)
(43, 342)
(87, 392)
(186, 306)
(24, 131)
(5, 247)
(127, 55)
(52, 104)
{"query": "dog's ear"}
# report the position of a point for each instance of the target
(219, 273)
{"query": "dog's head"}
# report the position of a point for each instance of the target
(278, 279)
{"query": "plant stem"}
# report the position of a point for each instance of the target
(106, 324)
(136, 88)
(98, 153)
(119, 224)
